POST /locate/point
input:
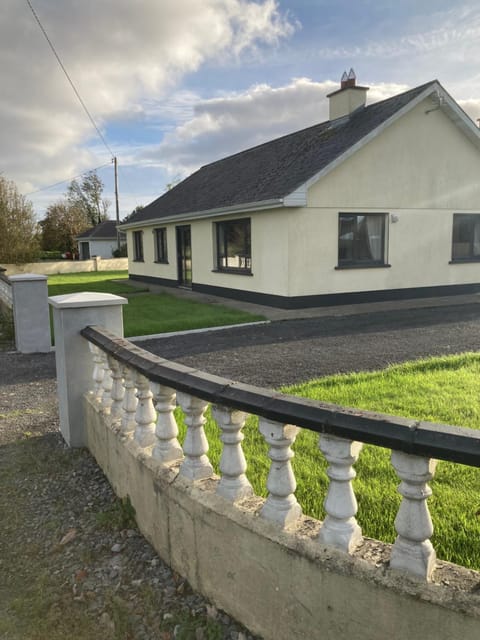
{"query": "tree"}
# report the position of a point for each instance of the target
(62, 223)
(87, 195)
(128, 217)
(18, 227)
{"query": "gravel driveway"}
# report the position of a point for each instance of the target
(291, 351)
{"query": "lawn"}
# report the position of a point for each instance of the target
(445, 390)
(148, 313)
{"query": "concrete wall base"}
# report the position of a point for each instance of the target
(282, 585)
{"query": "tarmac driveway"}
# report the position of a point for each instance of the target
(289, 351)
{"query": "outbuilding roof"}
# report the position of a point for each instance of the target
(106, 230)
(270, 173)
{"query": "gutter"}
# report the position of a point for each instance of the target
(210, 213)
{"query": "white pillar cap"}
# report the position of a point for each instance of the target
(86, 299)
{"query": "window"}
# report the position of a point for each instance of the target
(233, 246)
(361, 239)
(138, 246)
(466, 237)
(160, 239)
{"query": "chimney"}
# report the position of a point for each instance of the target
(348, 98)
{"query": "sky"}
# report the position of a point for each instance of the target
(175, 84)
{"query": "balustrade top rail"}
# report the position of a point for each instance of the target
(443, 442)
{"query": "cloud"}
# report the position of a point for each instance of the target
(452, 32)
(118, 53)
(231, 123)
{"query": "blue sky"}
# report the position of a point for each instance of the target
(174, 84)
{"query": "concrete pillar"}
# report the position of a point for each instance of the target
(30, 313)
(71, 313)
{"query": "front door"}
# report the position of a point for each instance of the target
(184, 256)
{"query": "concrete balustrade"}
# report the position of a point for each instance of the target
(281, 574)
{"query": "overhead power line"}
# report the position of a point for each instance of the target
(70, 80)
(57, 184)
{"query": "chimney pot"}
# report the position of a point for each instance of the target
(348, 80)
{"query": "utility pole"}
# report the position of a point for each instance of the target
(117, 211)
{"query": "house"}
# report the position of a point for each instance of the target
(379, 202)
(100, 241)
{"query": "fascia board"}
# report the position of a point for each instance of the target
(459, 117)
(211, 213)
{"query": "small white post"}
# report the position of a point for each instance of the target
(281, 504)
(412, 550)
(98, 372)
(129, 404)
(107, 385)
(233, 484)
(145, 415)
(196, 464)
(340, 528)
(167, 448)
(117, 391)
(30, 313)
(72, 313)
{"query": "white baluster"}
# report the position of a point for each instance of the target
(413, 551)
(98, 371)
(233, 482)
(281, 504)
(117, 391)
(107, 384)
(145, 415)
(196, 464)
(340, 528)
(167, 448)
(129, 404)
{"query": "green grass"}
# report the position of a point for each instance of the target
(445, 390)
(101, 281)
(148, 313)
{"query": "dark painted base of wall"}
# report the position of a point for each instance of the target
(324, 300)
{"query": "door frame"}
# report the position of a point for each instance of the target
(184, 255)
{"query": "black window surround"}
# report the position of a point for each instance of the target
(160, 245)
(233, 244)
(465, 238)
(362, 240)
(138, 246)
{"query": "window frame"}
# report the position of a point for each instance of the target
(471, 257)
(137, 237)
(160, 245)
(221, 233)
(359, 263)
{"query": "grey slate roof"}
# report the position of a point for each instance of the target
(274, 169)
(106, 230)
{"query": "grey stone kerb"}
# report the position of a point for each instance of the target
(30, 313)
(71, 313)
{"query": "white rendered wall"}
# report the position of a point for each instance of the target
(269, 233)
(149, 267)
(102, 248)
(423, 170)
